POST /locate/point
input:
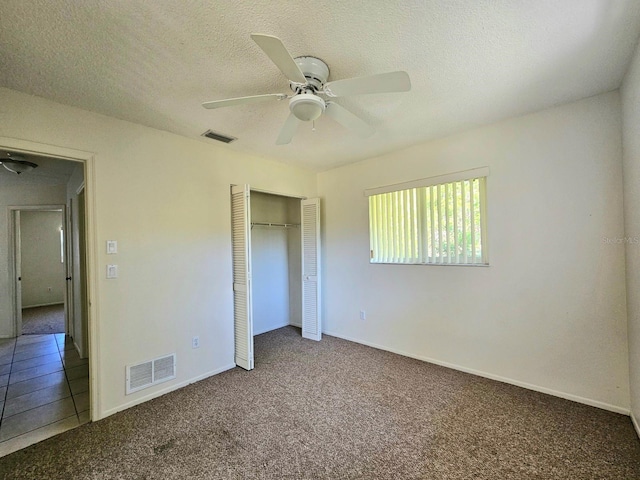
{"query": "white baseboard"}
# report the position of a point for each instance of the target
(491, 376)
(75, 344)
(161, 392)
(294, 324)
(635, 424)
(24, 307)
(269, 328)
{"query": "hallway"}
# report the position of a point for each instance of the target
(43, 320)
(44, 389)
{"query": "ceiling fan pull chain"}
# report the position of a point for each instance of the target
(313, 126)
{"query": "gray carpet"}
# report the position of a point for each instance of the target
(338, 410)
(43, 320)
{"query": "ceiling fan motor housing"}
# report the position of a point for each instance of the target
(314, 70)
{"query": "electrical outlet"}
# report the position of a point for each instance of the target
(195, 342)
(363, 315)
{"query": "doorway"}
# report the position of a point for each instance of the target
(56, 363)
(40, 266)
(276, 271)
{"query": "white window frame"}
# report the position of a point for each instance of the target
(425, 222)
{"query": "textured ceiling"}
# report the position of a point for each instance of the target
(470, 62)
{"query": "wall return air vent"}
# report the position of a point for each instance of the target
(218, 136)
(146, 374)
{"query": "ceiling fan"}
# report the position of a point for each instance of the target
(311, 93)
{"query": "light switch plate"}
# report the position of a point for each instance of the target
(112, 247)
(112, 271)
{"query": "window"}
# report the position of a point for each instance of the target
(439, 220)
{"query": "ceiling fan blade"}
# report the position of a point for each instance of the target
(230, 102)
(278, 53)
(381, 83)
(347, 119)
(288, 130)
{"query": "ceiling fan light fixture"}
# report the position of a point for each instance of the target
(18, 165)
(307, 106)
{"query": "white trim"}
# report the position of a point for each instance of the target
(166, 390)
(75, 345)
(26, 146)
(39, 208)
(62, 208)
(279, 194)
(43, 305)
(635, 423)
(430, 181)
(491, 376)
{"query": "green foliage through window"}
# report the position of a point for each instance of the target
(438, 224)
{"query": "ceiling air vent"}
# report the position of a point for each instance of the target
(219, 136)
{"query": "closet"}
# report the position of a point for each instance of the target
(276, 262)
(276, 259)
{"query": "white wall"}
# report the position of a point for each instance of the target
(276, 263)
(17, 195)
(269, 263)
(43, 275)
(172, 224)
(630, 93)
(550, 310)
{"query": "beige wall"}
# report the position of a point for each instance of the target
(549, 312)
(165, 199)
(630, 92)
(42, 270)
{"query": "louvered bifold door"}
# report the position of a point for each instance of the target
(311, 326)
(241, 243)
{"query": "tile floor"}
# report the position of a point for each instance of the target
(44, 389)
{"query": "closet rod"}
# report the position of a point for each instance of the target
(284, 225)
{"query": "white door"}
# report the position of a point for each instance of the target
(17, 245)
(241, 246)
(82, 328)
(68, 238)
(310, 226)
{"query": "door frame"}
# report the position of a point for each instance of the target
(69, 266)
(88, 159)
(15, 247)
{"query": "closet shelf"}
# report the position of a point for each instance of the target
(269, 224)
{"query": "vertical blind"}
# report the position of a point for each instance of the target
(435, 224)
